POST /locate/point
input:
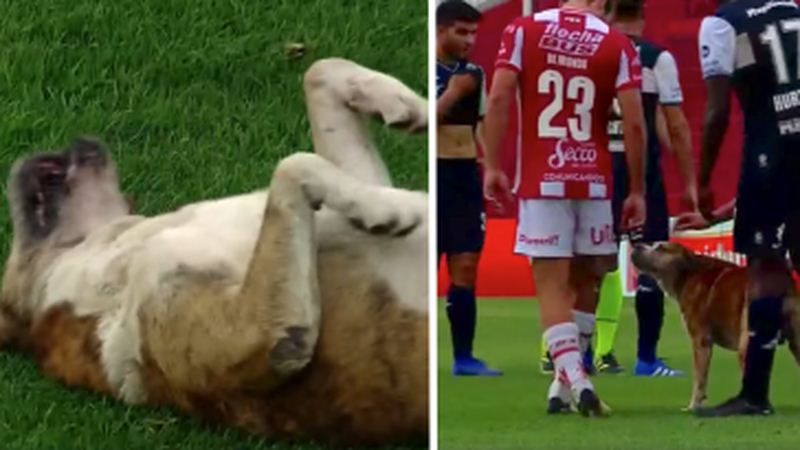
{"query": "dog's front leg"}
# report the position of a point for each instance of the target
(701, 348)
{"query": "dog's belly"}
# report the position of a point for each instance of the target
(96, 275)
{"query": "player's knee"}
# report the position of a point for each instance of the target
(463, 269)
(769, 277)
(599, 266)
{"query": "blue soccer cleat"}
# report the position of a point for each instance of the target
(657, 368)
(473, 367)
(588, 361)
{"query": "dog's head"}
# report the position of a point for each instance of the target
(56, 199)
(60, 197)
(667, 262)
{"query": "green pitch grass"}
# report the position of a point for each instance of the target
(196, 99)
(508, 412)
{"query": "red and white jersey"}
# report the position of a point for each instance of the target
(571, 65)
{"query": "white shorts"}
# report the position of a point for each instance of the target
(563, 228)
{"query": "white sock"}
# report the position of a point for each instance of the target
(560, 389)
(585, 322)
(562, 342)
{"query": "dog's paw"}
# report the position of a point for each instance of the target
(384, 212)
(407, 112)
(691, 407)
(292, 352)
(397, 105)
(383, 216)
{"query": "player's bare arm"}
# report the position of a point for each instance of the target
(715, 124)
(496, 185)
(680, 137)
(693, 220)
(634, 134)
(460, 86)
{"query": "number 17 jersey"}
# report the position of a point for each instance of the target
(571, 65)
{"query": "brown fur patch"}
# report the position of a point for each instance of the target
(66, 348)
(366, 384)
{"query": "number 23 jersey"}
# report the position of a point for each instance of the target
(570, 65)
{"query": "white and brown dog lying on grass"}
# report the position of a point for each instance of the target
(299, 314)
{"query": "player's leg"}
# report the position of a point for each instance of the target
(460, 182)
(761, 215)
(596, 249)
(649, 296)
(545, 233)
(609, 306)
(585, 277)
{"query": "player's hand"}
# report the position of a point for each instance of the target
(496, 188)
(463, 84)
(692, 220)
(705, 203)
(633, 212)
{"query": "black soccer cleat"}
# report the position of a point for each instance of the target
(557, 406)
(589, 405)
(736, 406)
(546, 365)
(608, 364)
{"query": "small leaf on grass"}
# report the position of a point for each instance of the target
(294, 50)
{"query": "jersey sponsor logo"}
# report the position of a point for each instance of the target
(546, 241)
(580, 43)
(601, 235)
(576, 155)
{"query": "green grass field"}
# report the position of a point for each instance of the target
(196, 99)
(508, 412)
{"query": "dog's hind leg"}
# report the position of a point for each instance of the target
(340, 97)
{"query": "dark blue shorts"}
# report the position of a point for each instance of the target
(767, 220)
(656, 225)
(459, 207)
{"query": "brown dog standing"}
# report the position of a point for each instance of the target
(711, 294)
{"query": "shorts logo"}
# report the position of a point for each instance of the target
(602, 235)
(548, 241)
(576, 156)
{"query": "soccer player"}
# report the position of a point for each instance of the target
(460, 104)
(567, 65)
(751, 47)
(661, 94)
